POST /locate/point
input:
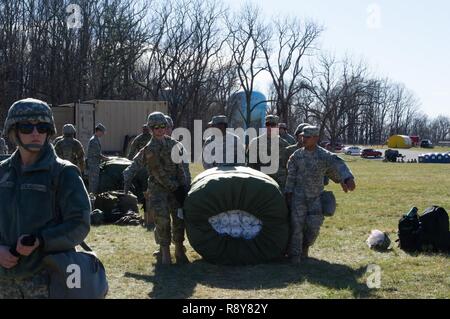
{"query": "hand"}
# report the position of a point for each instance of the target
(26, 250)
(6, 259)
(348, 185)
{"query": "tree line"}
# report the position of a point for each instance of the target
(195, 54)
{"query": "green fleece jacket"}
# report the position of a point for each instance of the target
(27, 206)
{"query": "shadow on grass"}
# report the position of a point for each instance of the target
(179, 282)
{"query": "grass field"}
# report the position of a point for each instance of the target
(339, 259)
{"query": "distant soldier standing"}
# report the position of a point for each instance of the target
(69, 148)
(139, 141)
(285, 135)
(306, 170)
(272, 126)
(94, 157)
(229, 141)
(166, 185)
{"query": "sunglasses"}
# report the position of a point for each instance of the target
(159, 126)
(271, 125)
(28, 128)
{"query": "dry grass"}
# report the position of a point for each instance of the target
(339, 260)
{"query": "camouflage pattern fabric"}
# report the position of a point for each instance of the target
(34, 287)
(29, 110)
(93, 160)
(165, 177)
(138, 143)
(306, 171)
(71, 149)
(280, 175)
(233, 142)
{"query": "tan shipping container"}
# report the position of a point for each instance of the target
(121, 118)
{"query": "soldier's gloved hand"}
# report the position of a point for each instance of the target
(180, 194)
(348, 185)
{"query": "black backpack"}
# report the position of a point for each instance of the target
(409, 231)
(434, 229)
(428, 232)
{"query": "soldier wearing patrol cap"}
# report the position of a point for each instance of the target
(228, 141)
(272, 131)
(283, 129)
(139, 141)
(29, 203)
(69, 148)
(306, 170)
(95, 156)
(166, 184)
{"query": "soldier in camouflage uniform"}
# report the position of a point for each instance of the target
(94, 157)
(139, 141)
(3, 147)
(306, 170)
(165, 183)
(271, 125)
(69, 148)
(26, 191)
(282, 127)
(229, 141)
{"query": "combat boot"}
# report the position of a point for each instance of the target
(180, 254)
(165, 255)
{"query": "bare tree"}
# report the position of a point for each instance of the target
(292, 40)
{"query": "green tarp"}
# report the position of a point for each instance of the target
(226, 189)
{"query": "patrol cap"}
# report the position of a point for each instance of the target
(309, 131)
(300, 128)
(218, 119)
(169, 120)
(272, 119)
(100, 127)
(282, 125)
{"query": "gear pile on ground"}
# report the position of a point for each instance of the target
(115, 208)
(111, 178)
(236, 216)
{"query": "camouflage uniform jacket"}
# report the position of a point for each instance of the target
(94, 151)
(28, 207)
(71, 149)
(139, 142)
(164, 174)
(234, 142)
(306, 170)
(280, 175)
(3, 147)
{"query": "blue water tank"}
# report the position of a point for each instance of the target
(238, 105)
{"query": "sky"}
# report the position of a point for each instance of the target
(406, 41)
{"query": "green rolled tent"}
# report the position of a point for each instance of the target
(238, 193)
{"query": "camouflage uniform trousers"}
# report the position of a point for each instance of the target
(34, 287)
(306, 219)
(94, 176)
(164, 206)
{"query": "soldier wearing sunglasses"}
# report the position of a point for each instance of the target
(167, 187)
(34, 185)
